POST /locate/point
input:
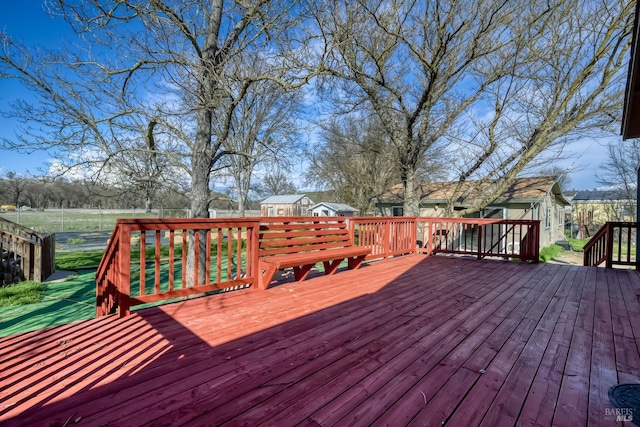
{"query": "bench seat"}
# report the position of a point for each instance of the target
(302, 245)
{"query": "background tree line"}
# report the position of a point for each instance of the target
(54, 192)
(46, 193)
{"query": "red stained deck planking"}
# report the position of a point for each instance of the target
(411, 340)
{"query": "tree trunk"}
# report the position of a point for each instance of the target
(200, 175)
(411, 199)
(149, 199)
(240, 196)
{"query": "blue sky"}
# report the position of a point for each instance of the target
(26, 20)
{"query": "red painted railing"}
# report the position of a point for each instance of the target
(391, 236)
(503, 238)
(386, 236)
(613, 244)
(141, 265)
(108, 275)
(146, 259)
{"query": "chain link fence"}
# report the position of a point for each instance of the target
(78, 220)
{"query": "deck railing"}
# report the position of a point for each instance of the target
(145, 260)
(613, 244)
(391, 236)
(386, 236)
(503, 238)
(24, 253)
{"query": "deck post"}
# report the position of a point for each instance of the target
(414, 233)
(480, 228)
(637, 215)
(254, 249)
(609, 252)
(387, 238)
(124, 281)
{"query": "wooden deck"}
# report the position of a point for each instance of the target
(411, 340)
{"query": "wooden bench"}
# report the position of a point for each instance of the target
(303, 242)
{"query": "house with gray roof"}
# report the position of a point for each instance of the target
(286, 205)
(597, 207)
(332, 209)
(533, 198)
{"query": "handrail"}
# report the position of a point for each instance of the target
(480, 237)
(612, 235)
(21, 231)
(386, 236)
(106, 276)
(225, 256)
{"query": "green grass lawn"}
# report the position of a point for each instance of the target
(550, 252)
(578, 244)
(59, 303)
(28, 306)
(52, 221)
(21, 294)
(78, 259)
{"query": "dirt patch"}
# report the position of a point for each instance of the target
(569, 257)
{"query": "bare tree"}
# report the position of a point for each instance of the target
(568, 86)
(498, 82)
(147, 171)
(175, 64)
(264, 131)
(15, 187)
(619, 171)
(276, 183)
(357, 161)
(562, 175)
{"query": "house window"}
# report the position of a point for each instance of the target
(625, 211)
(560, 217)
(270, 211)
(397, 211)
(547, 219)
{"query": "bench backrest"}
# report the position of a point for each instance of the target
(286, 236)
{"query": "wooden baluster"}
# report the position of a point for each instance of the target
(124, 279)
(158, 245)
(172, 265)
(143, 263)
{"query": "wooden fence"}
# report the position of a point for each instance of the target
(26, 254)
(146, 259)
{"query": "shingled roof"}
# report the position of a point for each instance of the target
(603, 195)
(523, 190)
